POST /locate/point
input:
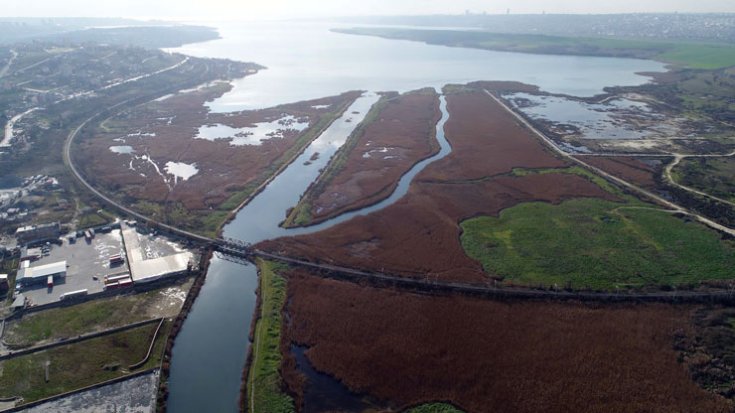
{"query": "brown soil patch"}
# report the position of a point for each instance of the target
(489, 356)
(419, 236)
(401, 136)
(223, 168)
(627, 168)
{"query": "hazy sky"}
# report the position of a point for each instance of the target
(248, 9)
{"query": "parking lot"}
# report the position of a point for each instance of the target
(86, 260)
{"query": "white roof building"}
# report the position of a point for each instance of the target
(41, 272)
(145, 270)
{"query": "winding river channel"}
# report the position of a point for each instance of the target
(308, 61)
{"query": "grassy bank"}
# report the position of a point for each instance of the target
(693, 55)
(590, 243)
(301, 214)
(264, 380)
(81, 364)
(88, 317)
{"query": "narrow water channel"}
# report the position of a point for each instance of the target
(259, 219)
(209, 354)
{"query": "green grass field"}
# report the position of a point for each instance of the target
(81, 364)
(694, 55)
(591, 243)
(79, 319)
(94, 219)
(714, 176)
(264, 380)
(435, 408)
(700, 56)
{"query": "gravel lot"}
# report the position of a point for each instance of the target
(137, 395)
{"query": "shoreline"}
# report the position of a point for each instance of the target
(326, 179)
(337, 115)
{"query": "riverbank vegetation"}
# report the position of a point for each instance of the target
(264, 384)
(302, 214)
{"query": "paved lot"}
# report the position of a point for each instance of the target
(85, 260)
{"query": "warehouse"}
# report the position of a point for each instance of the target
(39, 274)
(31, 233)
(147, 267)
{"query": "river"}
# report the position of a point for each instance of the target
(307, 61)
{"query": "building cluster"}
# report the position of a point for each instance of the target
(672, 26)
(711, 27)
(15, 204)
(54, 266)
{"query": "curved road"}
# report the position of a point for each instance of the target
(650, 195)
(382, 279)
(70, 164)
(75, 172)
(678, 158)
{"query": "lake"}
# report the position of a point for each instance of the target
(307, 61)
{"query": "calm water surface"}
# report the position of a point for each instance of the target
(307, 61)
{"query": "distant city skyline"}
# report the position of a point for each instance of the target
(250, 9)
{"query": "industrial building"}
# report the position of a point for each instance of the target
(144, 270)
(40, 274)
(37, 233)
(31, 254)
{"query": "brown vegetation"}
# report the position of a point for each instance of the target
(402, 135)
(223, 169)
(490, 356)
(419, 235)
(628, 168)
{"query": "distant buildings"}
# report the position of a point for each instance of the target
(707, 27)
